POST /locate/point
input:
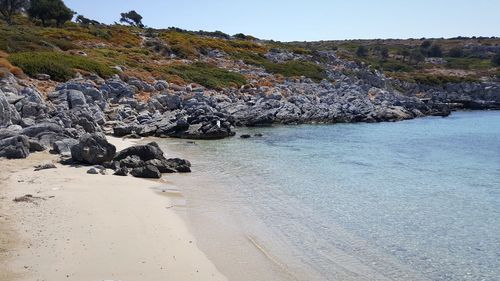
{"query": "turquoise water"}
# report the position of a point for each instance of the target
(412, 200)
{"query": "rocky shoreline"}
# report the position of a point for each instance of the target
(31, 120)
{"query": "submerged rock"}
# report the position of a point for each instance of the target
(180, 165)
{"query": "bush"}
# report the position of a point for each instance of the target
(496, 60)
(456, 52)
(206, 75)
(435, 51)
(396, 66)
(362, 51)
(59, 66)
(297, 68)
(436, 80)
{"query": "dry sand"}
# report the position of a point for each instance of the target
(91, 227)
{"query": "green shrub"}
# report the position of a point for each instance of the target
(63, 44)
(467, 63)
(59, 66)
(396, 66)
(297, 68)
(206, 75)
(435, 80)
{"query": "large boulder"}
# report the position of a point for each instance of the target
(144, 152)
(93, 149)
(16, 147)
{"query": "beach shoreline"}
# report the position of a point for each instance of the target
(69, 225)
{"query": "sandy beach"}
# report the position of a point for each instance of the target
(76, 226)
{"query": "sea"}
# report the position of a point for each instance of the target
(409, 200)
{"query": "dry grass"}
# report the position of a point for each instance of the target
(16, 71)
(143, 96)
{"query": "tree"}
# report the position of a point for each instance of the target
(362, 51)
(86, 21)
(9, 8)
(132, 18)
(50, 10)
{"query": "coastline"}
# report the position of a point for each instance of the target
(223, 237)
(79, 227)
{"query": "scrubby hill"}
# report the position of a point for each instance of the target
(58, 83)
(218, 60)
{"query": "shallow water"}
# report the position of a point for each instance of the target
(411, 200)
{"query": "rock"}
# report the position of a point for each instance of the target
(132, 161)
(124, 130)
(92, 171)
(44, 127)
(75, 99)
(45, 167)
(7, 133)
(146, 152)
(162, 165)
(93, 149)
(36, 146)
(42, 76)
(8, 113)
(180, 165)
(15, 147)
(258, 135)
(123, 172)
(113, 165)
(171, 102)
(64, 146)
(148, 171)
(245, 136)
(161, 85)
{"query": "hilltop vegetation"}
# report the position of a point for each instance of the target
(60, 48)
(421, 60)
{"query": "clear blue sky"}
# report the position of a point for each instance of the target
(308, 20)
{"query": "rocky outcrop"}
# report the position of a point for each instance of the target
(352, 92)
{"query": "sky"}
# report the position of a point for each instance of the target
(312, 20)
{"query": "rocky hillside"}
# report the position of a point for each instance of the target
(56, 84)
